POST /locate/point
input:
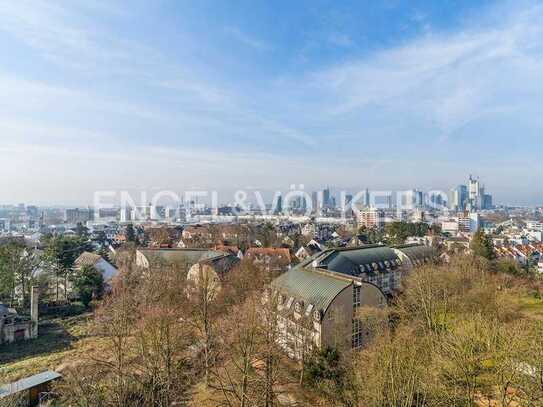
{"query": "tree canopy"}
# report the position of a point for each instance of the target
(89, 284)
(481, 245)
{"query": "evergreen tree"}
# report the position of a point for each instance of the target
(89, 284)
(130, 233)
(481, 245)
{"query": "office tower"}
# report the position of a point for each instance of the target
(408, 199)
(367, 198)
(476, 193)
(125, 214)
(458, 197)
(32, 211)
(436, 200)
(452, 199)
(462, 197)
(279, 205)
(487, 201)
(326, 198)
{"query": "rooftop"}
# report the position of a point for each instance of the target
(316, 288)
(417, 253)
(180, 256)
(353, 261)
(28, 383)
(87, 259)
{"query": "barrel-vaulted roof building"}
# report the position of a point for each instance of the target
(319, 298)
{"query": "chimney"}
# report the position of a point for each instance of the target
(34, 301)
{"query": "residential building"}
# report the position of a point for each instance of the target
(99, 263)
(369, 217)
(270, 258)
(318, 300)
(78, 215)
(450, 226)
(184, 258)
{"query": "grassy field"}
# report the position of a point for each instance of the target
(62, 340)
(531, 306)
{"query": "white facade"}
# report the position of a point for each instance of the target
(450, 226)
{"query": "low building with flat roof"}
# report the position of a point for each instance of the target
(32, 388)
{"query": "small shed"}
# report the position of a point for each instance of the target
(33, 386)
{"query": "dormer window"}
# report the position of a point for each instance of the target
(309, 310)
(317, 315)
(290, 301)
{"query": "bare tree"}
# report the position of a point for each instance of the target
(204, 305)
(236, 377)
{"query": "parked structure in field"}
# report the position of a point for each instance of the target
(34, 390)
(15, 327)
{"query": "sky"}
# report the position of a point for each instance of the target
(140, 95)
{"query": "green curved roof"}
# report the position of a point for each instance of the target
(312, 287)
(416, 252)
(359, 259)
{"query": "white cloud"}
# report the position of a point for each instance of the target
(449, 79)
(245, 39)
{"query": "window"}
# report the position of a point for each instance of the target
(356, 296)
(290, 301)
(309, 310)
(385, 282)
(357, 337)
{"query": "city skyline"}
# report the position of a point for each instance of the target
(296, 197)
(170, 95)
(328, 195)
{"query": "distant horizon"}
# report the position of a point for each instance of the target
(227, 195)
(171, 95)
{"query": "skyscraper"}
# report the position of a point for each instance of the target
(419, 198)
(279, 205)
(315, 201)
(477, 197)
(458, 197)
(487, 201)
(367, 198)
(474, 190)
(326, 198)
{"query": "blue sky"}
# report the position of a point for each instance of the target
(210, 94)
